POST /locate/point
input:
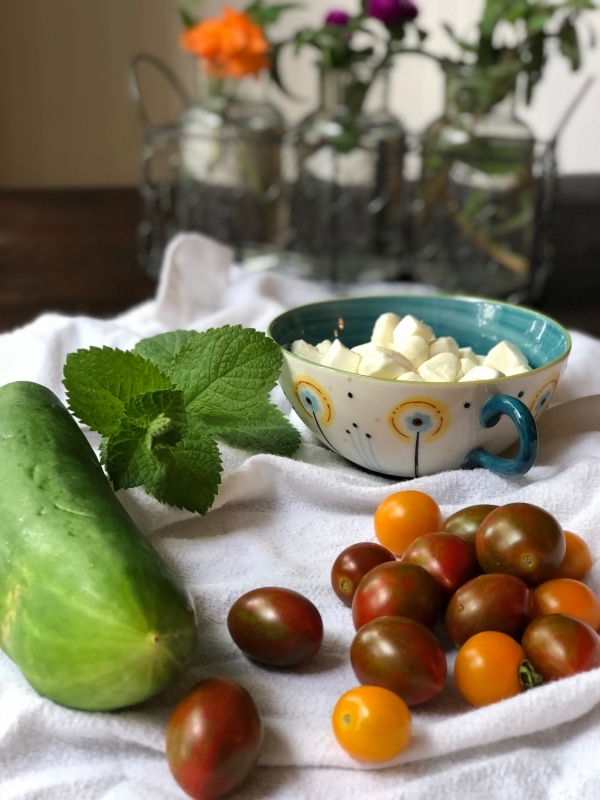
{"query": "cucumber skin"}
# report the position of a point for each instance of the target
(88, 610)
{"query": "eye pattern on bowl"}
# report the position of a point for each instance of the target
(542, 397)
(419, 418)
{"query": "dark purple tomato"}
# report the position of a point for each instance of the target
(399, 590)
(488, 603)
(351, 566)
(449, 559)
(559, 645)
(523, 540)
(213, 738)
(466, 522)
(275, 626)
(401, 655)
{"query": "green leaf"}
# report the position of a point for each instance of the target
(267, 431)
(187, 19)
(180, 466)
(100, 382)
(569, 43)
(268, 15)
(162, 349)
(227, 370)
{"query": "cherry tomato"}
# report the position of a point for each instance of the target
(213, 738)
(371, 724)
(559, 645)
(488, 603)
(465, 522)
(401, 655)
(398, 589)
(351, 566)
(566, 596)
(486, 669)
(578, 559)
(403, 517)
(521, 540)
(275, 626)
(449, 559)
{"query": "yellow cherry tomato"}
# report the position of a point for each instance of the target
(372, 724)
(566, 596)
(403, 517)
(486, 669)
(578, 559)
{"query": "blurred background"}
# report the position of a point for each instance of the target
(71, 144)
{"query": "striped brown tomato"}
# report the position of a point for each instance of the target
(449, 559)
(523, 540)
(213, 738)
(397, 589)
(275, 626)
(351, 566)
(559, 645)
(401, 655)
(488, 603)
(465, 523)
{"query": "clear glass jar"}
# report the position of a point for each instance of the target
(230, 183)
(346, 184)
(473, 217)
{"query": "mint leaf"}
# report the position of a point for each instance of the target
(101, 381)
(162, 349)
(267, 431)
(185, 474)
(228, 369)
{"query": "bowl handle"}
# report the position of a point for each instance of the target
(491, 412)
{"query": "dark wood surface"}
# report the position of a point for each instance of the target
(74, 251)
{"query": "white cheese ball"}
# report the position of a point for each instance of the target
(340, 357)
(381, 362)
(383, 330)
(410, 376)
(505, 356)
(445, 344)
(444, 367)
(415, 348)
(482, 374)
(411, 326)
(307, 351)
(363, 349)
(324, 346)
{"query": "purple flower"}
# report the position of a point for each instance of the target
(391, 12)
(337, 17)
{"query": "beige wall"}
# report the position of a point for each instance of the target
(67, 119)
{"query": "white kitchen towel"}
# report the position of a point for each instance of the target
(282, 522)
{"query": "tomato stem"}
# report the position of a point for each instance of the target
(528, 677)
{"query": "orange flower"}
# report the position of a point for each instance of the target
(231, 46)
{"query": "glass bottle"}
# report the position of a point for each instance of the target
(473, 218)
(230, 184)
(346, 184)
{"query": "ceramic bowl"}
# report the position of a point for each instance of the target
(412, 429)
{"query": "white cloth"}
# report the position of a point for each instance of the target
(282, 522)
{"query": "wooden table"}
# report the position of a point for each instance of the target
(74, 251)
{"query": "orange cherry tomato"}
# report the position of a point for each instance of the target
(578, 559)
(403, 517)
(566, 596)
(487, 668)
(372, 724)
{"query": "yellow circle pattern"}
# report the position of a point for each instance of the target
(419, 415)
(314, 400)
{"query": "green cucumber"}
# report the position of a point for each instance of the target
(89, 612)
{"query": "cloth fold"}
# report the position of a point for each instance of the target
(282, 522)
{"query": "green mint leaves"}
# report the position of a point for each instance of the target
(161, 407)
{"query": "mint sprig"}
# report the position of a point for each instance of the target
(161, 407)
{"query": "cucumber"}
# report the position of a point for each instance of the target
(88, 610)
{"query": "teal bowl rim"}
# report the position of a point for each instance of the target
(447, 384)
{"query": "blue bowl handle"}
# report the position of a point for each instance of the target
(491, 412)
